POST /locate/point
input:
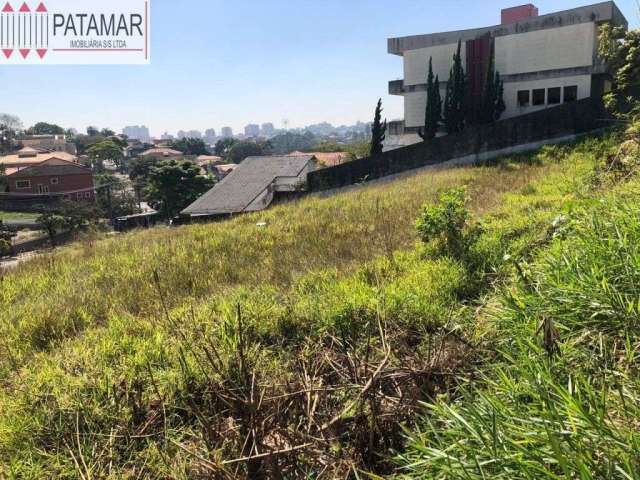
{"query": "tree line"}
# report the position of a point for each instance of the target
(459, 109)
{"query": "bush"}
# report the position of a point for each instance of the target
(446, 225)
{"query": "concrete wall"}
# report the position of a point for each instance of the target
(564, 47)
(583, 82)
(565, 120)
(416, 63)
(415, 104)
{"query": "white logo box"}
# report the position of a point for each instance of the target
(72, 32)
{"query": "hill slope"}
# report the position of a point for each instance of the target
(294, 350)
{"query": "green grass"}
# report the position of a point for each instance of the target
(177, 353)
(18, 216)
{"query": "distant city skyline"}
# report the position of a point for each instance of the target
(263, 62)
(267, 129)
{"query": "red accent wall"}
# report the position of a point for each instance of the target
(515, 14)
(66, 183)
(478, 55)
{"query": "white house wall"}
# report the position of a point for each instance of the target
(415, 104)
(416, 63)
(540, 50)
(583, 82)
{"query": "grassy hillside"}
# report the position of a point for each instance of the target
(301, 349)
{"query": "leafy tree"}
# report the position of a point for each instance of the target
(141, 168)
(43, 128)
(456, 100)
(123, 201)
(223, 146)
(622, 50)
(288, 142)
(6, 234)
(174, 185)
(433, 111)
(10, 125)
(106, 132)
(105, 150)
(83, 142)
(360, 149)
(242, 150)
(93, 131)
(67, 216)
(3, 179)
(378, 131)
(190, 146)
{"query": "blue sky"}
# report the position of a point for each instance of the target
(218, 63)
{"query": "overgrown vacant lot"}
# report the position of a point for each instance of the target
(300, 349)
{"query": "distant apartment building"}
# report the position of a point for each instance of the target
(210, 136)
(137, 132)
(226, 132)
(189, 134)
(544, 60)
(252, 130)
(267, 130)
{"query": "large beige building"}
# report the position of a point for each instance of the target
(544, 60)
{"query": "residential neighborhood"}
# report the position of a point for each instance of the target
(320, 240)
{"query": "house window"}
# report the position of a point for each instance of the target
(55, 181)
(43, 189)
(23, 184)
(539, 96)
(87, 194)
(570, 94)
(79, 196)
(553, 96)
(524, 98)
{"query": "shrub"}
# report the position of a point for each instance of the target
(447, 226)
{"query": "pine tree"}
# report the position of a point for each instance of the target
(493, 105)
(378, 131)
(433, 110)
(456, 101)
(500, 105)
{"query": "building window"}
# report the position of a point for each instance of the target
(79, 196)
(55, 181)
(553, 96)
(23, 184)
(87, 194)
(42, 189)
(570, 94)
(539, 96)
(524, 98)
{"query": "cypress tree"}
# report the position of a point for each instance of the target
(455, 109)
(490, 93)
(500, 105)
(493, 96)
(433, 110)
(378, 131)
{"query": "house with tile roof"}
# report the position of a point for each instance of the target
(55, 177)
(30, 156)
(254, 185)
